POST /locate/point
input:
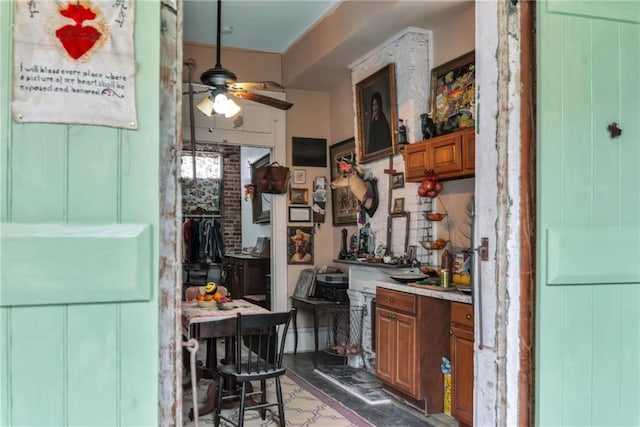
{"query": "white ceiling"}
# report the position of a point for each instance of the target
(265, 25)
(355, 28)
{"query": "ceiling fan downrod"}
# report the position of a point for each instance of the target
(218, 76)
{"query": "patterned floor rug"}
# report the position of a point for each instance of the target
(304, 406)
(356, 381)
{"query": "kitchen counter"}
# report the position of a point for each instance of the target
(420, 290)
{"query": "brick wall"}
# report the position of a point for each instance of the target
(231, 199)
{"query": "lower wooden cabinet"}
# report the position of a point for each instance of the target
(245, 275)
(462, 362)
(411, 339)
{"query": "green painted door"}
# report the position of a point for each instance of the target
(588, 283)
(79, 236)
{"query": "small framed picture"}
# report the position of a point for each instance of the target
(397, 180)
(299, 176)
(305, 283)
(398, 204)
(299, 214)
(299, 196)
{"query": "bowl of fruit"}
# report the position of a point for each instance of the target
(211, 296)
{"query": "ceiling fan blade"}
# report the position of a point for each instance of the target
(266, 100)
(266, 85)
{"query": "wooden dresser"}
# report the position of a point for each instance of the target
(245, 274)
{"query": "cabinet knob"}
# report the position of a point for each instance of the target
(468, 317)
(391, 299)
(450, 332)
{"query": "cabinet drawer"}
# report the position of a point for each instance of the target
(398, 301)
(462, 314)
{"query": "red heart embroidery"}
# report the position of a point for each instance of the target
(77, 39)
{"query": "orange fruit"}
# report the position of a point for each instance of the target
(208, 297)
(217, 296)
(200, 297)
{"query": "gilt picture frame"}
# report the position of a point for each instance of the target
(376, 115)
(300, 245)
(453, 92)
(344, 205)
(299, 196)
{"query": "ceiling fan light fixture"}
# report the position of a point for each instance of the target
(232, 108)
(224, 105)
(206, 106)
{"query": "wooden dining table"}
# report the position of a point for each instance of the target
(210, 322)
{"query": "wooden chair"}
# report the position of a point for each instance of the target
(259, 340)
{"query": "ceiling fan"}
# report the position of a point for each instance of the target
(222, 81)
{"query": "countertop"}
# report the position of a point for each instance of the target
(427, 292)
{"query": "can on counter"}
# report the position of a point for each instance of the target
(444, 278)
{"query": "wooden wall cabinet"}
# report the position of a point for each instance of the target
(411, 338)
(451, 156)
(462, 362)
(245, 275)
(416, 161)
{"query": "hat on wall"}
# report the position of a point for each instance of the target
(301, 235)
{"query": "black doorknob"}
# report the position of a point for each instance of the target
(614, 130)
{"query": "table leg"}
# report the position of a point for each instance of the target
(315, 328)
(295, 332)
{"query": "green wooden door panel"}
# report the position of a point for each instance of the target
(619, 10)
(57, 263)
(84, 351)
(588, 281)
(88, 178)
(93, 353)
(37, 169)
(578, 256)
(37, 375)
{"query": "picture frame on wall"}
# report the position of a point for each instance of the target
(261, 202)
(299, 214)
(300, 245)
(309, 152)
(299, 176)
(344, 204)
(398, 205)
(299, 196)
(376, 114)
(453, 90)
(397, 180)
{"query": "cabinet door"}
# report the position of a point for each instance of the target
(446, 154)
(254, 276)
(405, 354)
(462, 374)
(416, 161)
(385, 345)
(469, 152)
(236, 277)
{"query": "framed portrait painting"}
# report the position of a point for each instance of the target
(343, 202)
(300, 245)
(453, 91)
(376, 114)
